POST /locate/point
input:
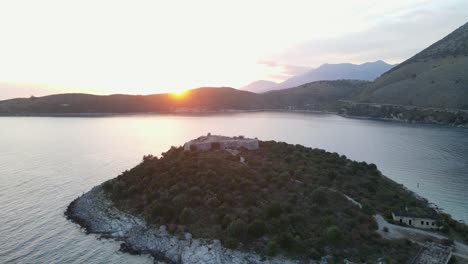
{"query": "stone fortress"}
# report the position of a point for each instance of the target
(221, 142)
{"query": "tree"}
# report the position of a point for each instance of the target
(271, 248)
(186, 216)
(274, 210)
(231, 243)
(319, 196)
(236, 229)
(286, 240)
(333, 234)
(256, 229)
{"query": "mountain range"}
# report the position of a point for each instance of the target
(368, 71)
(196, 100)
(431, 86)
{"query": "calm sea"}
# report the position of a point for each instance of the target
(45, 163)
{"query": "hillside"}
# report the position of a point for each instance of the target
(343, 71)
(284, 199)
(435, 77)
(314, 96)
(201, 99)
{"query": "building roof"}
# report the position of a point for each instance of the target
(433, 253)
(417, 213)
(215, 138)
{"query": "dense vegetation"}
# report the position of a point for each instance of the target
(285, 199)
(314, 96)
(410, 114)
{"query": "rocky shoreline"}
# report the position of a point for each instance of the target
(96, 214)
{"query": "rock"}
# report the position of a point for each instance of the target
(188, 237)
(95, 213)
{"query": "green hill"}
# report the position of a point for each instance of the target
(315, 95)
(202, 99)
(436, 77)
(284, 199)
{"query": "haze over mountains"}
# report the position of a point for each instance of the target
(344, 71)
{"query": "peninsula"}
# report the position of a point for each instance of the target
(241, 200)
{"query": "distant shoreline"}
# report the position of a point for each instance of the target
(232, 111)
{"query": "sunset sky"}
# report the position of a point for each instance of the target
(143, 47)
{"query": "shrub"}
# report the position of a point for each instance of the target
(332, 175)
(147, 158)
(231, 243)
(313, 253)
(274, 210)
(166, 212)
(195, 191)
(186, 216)
(286, 241)
(319, 196)
(107, 186)
(236, 229)
(180, 200)
(333, 234)
(256, 229)
(271, 248)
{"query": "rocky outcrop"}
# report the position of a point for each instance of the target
(96, 214)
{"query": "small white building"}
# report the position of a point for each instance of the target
(221, 142)
(425, 221)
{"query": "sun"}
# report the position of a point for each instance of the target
(179, 94)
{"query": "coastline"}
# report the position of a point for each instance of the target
(233, 111)
(96, 215)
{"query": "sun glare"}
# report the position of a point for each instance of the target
(179, 94)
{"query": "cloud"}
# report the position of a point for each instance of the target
(394, 39)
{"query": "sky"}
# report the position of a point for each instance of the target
(145, 47)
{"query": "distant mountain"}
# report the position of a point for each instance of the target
(200, 99)
(260, 86)
(366, 71)
(315, 95)
(430, 87)
(435, 77)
